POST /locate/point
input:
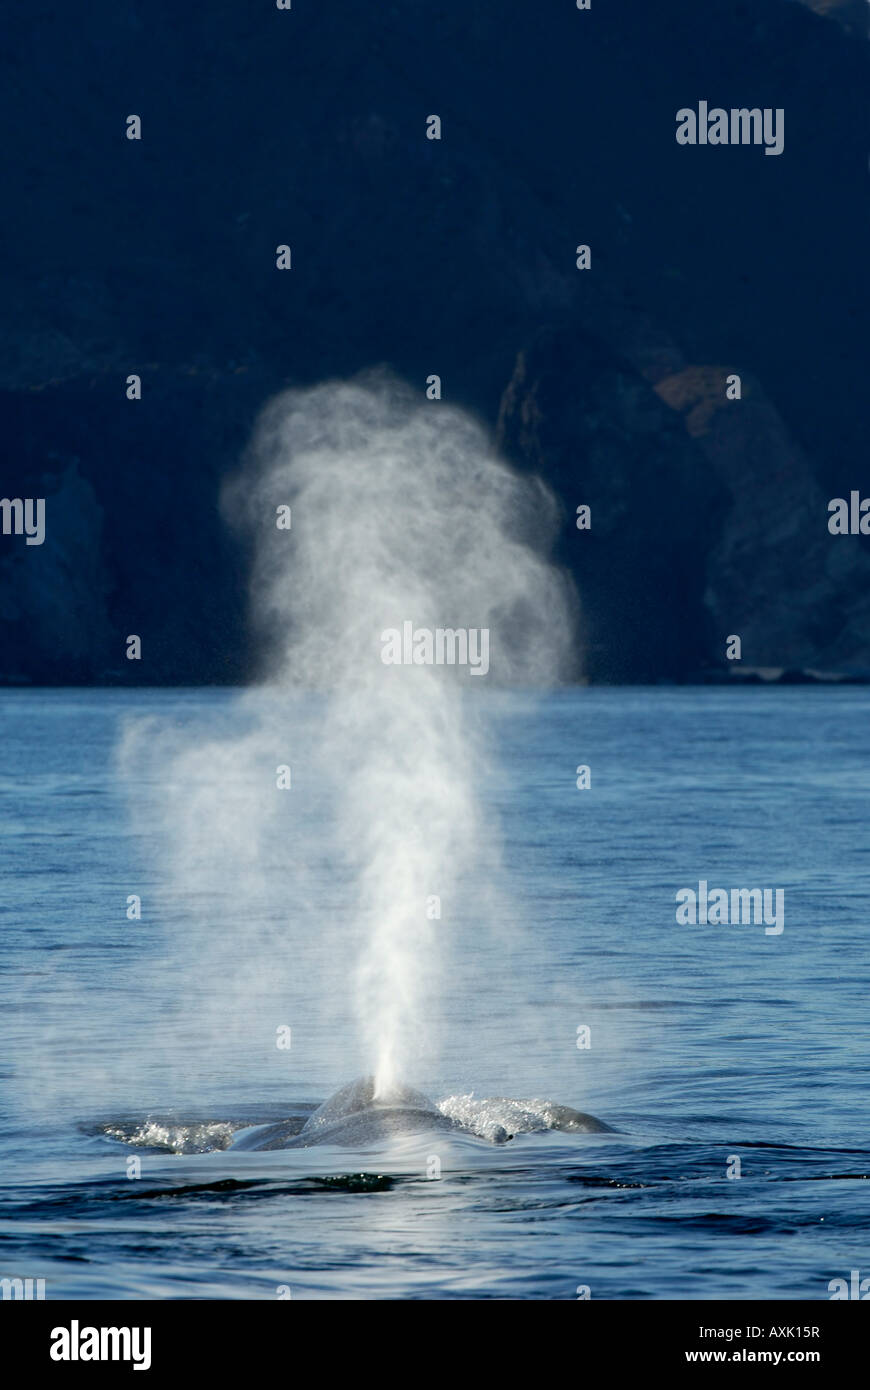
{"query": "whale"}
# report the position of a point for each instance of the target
(353, 1116)
(357, 1115)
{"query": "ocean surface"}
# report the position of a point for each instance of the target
(713, 1048)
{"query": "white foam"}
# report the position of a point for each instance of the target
(489, 1115)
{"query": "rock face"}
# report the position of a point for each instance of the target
(134, 543)
(797, 596)
(706, 518)
(57, 608)
(599, 433)
(457, 257)
(851, 14)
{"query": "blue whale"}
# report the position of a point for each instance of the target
(355, 1116)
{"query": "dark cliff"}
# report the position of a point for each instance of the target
(456, 257)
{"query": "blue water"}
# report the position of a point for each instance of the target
(123, 1038)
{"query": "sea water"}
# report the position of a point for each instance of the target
(733, 1063)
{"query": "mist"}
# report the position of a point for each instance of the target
(340, 778)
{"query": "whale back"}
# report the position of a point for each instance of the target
(358, 1099)
(355, 1116)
